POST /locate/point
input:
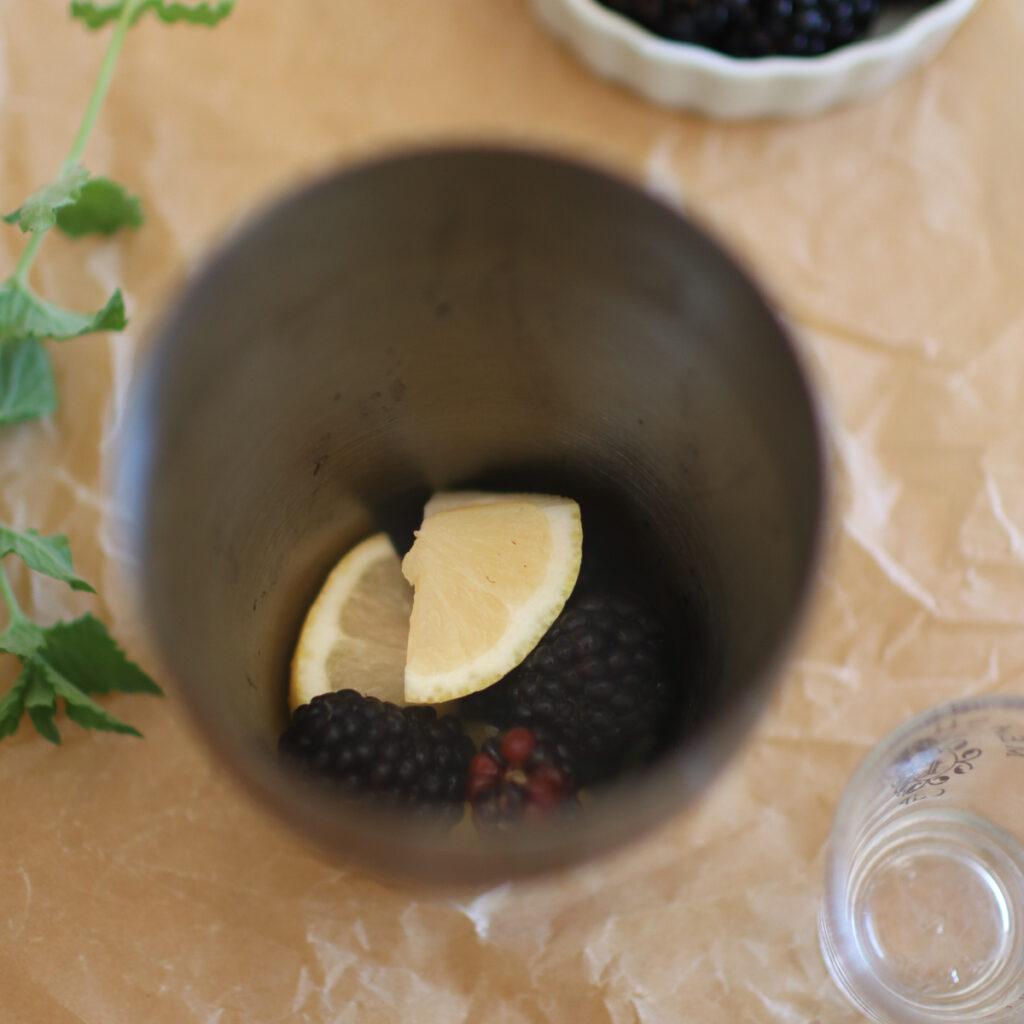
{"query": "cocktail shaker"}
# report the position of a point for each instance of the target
(453, 315)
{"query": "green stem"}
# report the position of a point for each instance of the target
(89, 118)
(28, 255)
(8, 594)
(99, 93)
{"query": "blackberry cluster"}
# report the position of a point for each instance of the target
(520, 775)
(598, 681)
(396, 757)
(755, 28)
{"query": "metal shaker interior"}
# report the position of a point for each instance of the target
(444, 316)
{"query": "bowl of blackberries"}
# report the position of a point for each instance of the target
(754, 58)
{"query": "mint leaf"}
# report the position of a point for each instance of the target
(12, 705)
(27, 390)
(22, 638)
(69, 660)
(102, 208)
(84, 651)
(82, 709)
(96, 14)
(50, 556)
(24, 316)
(39, 211)
(41, 704)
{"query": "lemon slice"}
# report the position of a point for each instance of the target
(490, 577)
(356, 631)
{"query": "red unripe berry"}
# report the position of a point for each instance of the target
(517, 745)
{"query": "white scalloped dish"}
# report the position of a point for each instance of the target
(692, 77)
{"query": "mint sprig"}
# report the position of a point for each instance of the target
(70, 661)
(78, 204)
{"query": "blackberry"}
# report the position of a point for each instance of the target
(755, 28)
(521, 775)
(598, 680)
(377, 752)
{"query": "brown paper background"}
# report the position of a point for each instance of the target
(138, 884)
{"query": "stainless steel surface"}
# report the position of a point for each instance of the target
(444, 316)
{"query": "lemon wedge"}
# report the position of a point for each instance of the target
(356, 632)
(490, 573)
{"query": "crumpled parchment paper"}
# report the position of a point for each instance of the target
(138, 884)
